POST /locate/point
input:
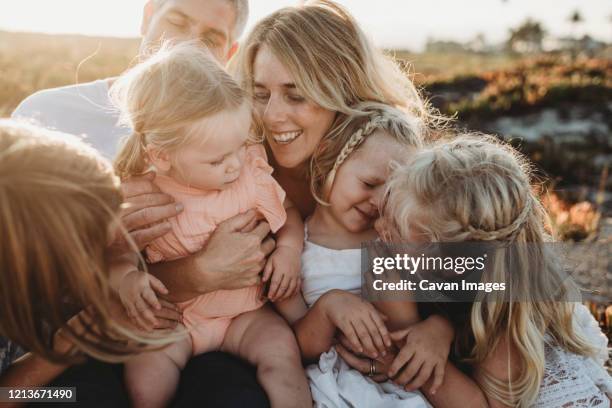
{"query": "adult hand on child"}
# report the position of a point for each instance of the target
(235, 254)
(424, 349)
(146, 209)
(283, 266)
(137, 291)
(359, 321)
(363, 364)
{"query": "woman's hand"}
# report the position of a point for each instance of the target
(137, 292)
(423, 353)
(283, 267)
(364, 364)
(359, 321)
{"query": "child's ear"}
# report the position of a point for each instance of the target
(159, 158)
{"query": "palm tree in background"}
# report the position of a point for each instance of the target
(575, 19)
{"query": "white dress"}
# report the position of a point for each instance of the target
(570, 381)
(332, 382)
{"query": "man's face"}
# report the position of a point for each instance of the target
(211, 21)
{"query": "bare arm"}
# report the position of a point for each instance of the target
(30, 371)
(283, 269)
(315, 331)
(400, 314)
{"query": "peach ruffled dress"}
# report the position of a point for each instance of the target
(208, 316)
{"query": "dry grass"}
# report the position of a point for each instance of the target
(30, 62)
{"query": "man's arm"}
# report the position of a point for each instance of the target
(233, 257)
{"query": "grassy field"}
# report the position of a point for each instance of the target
(30, 62)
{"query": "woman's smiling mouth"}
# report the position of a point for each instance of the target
(286, 137)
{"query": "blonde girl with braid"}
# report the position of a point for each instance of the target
(524, 353)
(344, 218)
(192, 124)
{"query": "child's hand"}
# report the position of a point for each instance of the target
(359, 321)
(424, 349)
(284, 267)
(137, 293)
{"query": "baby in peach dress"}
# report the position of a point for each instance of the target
(191, 123)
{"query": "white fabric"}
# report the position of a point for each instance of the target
(332, 382)
(83, 110)
(573, 381)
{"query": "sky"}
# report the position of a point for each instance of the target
(405, 24)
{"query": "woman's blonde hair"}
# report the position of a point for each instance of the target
(351, 132)
(476, 188)
(333, 64)
(160, 97)
(58, 198)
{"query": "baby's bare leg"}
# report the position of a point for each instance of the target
(152, 378)
(264, 339)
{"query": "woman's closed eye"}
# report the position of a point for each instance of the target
(369, 184)
(216, 163)
(295, 98)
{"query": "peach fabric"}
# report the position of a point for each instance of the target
(208, 316)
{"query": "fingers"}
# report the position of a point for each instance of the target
(274, 287)
(166, 324)
(146, 200)
(292, 288)
(421, 378)
(149, 296)
(379, 331)
(360, 364)
(158, 286)
(268, 246)
(438, 378)
(138, 185)
(267, 271)
(363, 331)
(408, 373)
(261, 230)
(169, 311)
(145, 314)
(283, 288)
(144, 237)
(151, 215)
(239, 222)
(399, 335)
(404, 355)
(351, 336)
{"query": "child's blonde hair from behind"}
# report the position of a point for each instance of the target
(476, 188)
(352, 131)
(159, 98)
(58, 199)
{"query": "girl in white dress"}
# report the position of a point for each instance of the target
(331, 272)
(523, 354)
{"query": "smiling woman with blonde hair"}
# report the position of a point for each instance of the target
(308, 67)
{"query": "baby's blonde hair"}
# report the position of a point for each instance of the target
(160, 97)
(58, 198)
(351, 132)
(476, 188)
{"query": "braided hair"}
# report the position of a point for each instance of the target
(349, 134)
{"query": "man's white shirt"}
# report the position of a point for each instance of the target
(84, 110)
